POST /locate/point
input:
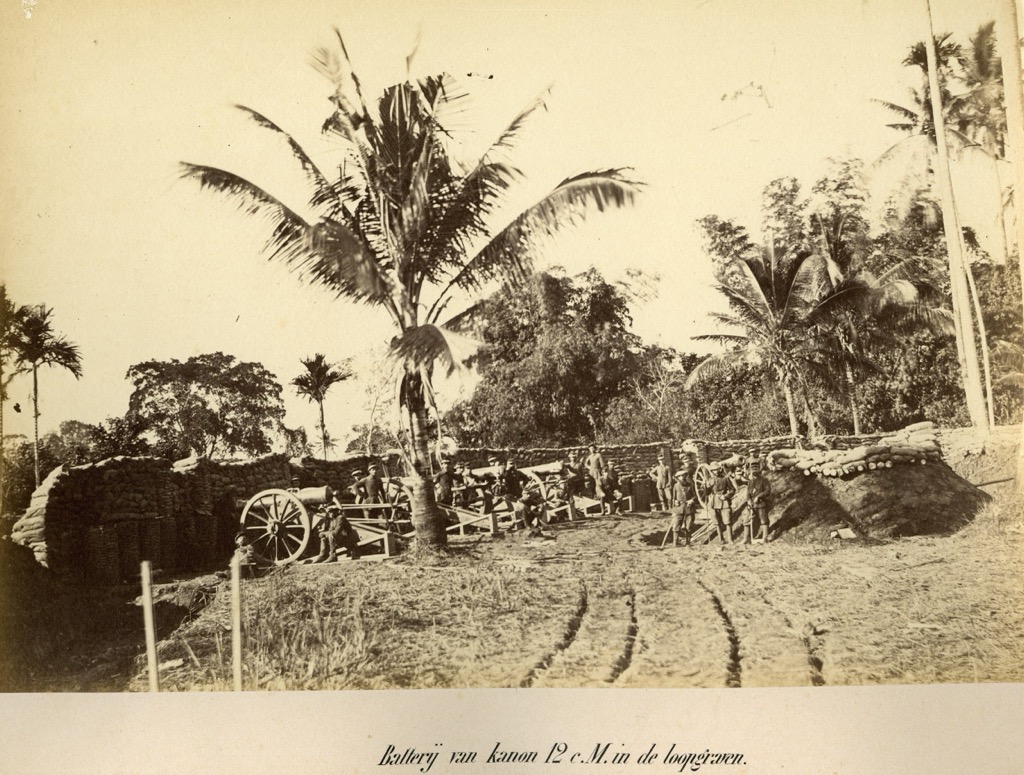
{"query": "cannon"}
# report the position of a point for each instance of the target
(279, 523)
(704, 476)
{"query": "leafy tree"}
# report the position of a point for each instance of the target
(372, 439)
(405, 227)
(22, 455)
(314, 383)
(209, 405)
(555, 355)
(36, 344)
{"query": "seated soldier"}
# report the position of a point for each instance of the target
(249, 559)
(345, 536)
(610, 492)
(325, 532)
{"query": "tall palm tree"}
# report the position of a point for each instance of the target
(768, 299)
(405, 227)
(11, 319)
(36, 344)
(936, 111)
(314, 383)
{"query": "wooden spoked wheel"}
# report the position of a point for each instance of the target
(277, 525)
(703, 480)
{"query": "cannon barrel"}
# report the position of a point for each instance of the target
(315, 496)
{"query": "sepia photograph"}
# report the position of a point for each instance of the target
(546, 346)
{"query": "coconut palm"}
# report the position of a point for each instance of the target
(36, 344)
(936, 104)
(314, 383)
(768, 299)
(856, 314)
(405, 227)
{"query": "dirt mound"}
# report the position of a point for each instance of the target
(904, 500)
(980, 460)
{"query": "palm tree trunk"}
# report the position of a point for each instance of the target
(1008, 37)
(851, 397)
(968, 351)
(426, 517)
(983, 338)
(35, 418)
(794, 427)
(3, 457)
(323, 427)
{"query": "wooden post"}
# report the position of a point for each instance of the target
(147, 615)
(236, 622)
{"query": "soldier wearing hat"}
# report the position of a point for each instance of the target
(325, 531)
(444, 483)
(373, 484)
(595, 467)
(759, 493)
(609, 486)
(683, 497)
(722, 490)
(662, 483)
(335, 530)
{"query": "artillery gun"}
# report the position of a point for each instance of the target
(279, 523)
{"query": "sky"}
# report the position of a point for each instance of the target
(706, 101)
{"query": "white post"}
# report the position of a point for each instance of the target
(236, 622)
(147, 615)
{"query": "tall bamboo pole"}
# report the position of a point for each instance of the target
(236, 623)
(147, 617)
(968, 352)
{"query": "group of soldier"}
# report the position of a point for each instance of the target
(455, 484)
(680, 498)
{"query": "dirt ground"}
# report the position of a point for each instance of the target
(599, 604)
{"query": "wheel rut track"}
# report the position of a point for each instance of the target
(626, 658)
(734, 670)
(812, 641)
(571, 630)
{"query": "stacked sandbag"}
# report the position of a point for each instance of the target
(917, 444)
(720, 451)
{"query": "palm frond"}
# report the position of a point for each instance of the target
(508, 254)
(327, 253)
(323, 191)
(420, 347)
(719, 365)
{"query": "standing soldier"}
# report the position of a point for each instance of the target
(595, 465)
(759, 493)
(662, 483)
(682, 507)
(573, 474)
(444, 481)
(373, 485)
(610, 492)
(722, 491)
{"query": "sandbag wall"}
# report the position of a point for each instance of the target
(913, 445)
(99, 521)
